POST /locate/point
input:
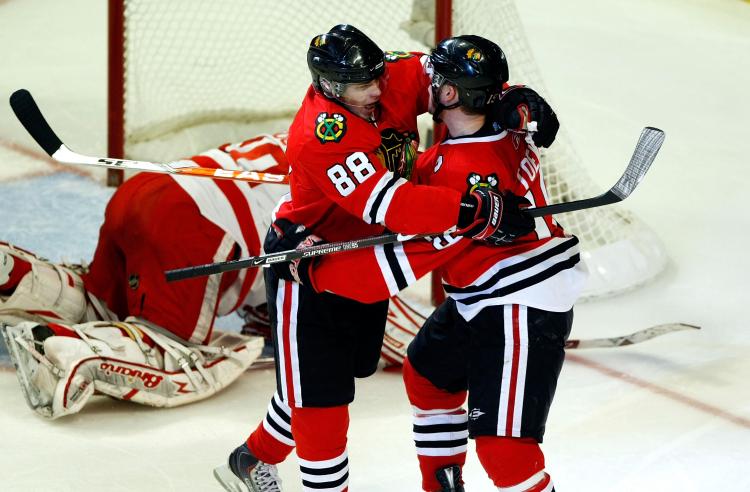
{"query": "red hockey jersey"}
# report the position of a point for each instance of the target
(341, 184)
(541, 269)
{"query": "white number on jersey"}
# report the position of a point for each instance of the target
(359, 167)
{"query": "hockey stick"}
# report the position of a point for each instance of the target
(645, 152)
(31, 117)
(636, 337)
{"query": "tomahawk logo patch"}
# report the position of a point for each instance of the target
(330, 128)
(398, 151)
(392, 56)
(475, 181)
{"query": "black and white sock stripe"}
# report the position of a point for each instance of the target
(329, 475)
(380, 198)
(278, 421)
(441, 434)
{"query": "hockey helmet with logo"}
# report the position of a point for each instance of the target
(343, 55)
(474, 65)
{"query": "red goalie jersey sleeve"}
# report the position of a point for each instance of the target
(341, 184)
(500, 160)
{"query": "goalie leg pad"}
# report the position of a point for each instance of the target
(48, 292)
(59, 371)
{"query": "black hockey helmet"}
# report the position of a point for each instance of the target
(343, 55)
(474, 65)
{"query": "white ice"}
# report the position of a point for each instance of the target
(669, 414)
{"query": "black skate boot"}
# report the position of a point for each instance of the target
(246, 473)
(449, 478)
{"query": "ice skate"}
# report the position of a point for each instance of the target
(450, 479)
(246, 473)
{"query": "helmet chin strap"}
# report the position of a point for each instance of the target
(440, 107)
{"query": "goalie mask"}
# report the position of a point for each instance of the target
(344, 56)
(474, 65)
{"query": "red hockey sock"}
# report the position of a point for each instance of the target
(512, 462)
(440, 426)
(320, 434)
(12, 270)
(267, 448)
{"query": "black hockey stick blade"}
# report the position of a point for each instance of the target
(644, 154)
(31, 118)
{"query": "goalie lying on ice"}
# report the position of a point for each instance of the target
(118, 328)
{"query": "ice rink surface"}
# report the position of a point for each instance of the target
(670, 414)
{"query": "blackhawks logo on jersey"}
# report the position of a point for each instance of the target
(398, 151)
(392, 56)
(475, 181)
(330, 128)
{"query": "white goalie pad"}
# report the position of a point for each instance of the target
(49, 292)
(126, 360)
(403, 323)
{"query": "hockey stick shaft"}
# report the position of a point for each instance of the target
(636, 337)
(31, 117)
(648, 146)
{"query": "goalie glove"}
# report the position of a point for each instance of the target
(488, 216)
(284, 236)
(521, 109)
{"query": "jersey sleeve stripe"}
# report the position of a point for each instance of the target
(380, 198)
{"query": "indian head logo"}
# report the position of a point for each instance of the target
(330, 128)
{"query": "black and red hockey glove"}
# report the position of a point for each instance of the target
(488, 216)
(284, 236)
(522, 109)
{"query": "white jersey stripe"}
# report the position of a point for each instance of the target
(280, 337)
(442, 451)
(382, 183)
(523, 354)
(211, 294)
(324, 463)
(383, 208)
(385, 269)
(403, 262)
(507, 370)
(293, 345)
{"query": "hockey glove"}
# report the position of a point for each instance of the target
(284, 236)
(487, 216)
(522, 109)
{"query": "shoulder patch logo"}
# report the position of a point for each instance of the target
(330, 128)
(393, 56)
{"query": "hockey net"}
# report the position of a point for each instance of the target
(188, 75)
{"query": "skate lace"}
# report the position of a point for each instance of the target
(267, 477)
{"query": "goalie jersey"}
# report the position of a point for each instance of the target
(349, 176)
(541, 269)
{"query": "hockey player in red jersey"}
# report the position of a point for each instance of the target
(500, 336)
(351, 151)
(119, 327)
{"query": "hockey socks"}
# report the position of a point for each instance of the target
(514, 464)
(272, 440)
(320, 434)
(441, 432)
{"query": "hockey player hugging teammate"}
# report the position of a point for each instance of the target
(118, 328)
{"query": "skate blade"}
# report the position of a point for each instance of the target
(229, 480)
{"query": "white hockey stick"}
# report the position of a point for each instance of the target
(33, 120)
(636, 337)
